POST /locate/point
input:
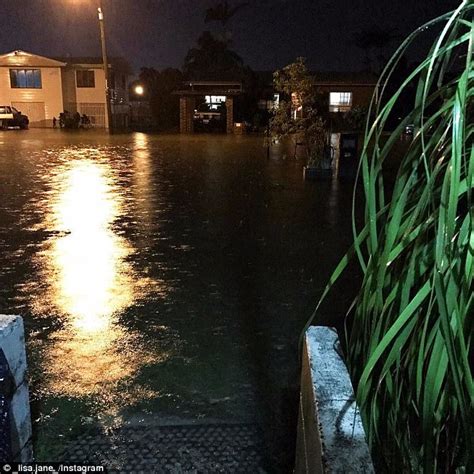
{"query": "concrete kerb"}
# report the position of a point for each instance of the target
(330, 437)
(12, 341)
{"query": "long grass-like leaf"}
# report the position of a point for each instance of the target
(409, 338)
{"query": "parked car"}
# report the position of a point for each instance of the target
(11, 117)
(207, 118)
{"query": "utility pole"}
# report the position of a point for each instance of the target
(106, 66)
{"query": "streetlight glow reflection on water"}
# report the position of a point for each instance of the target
(89, 283)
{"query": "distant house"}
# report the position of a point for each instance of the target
(43, 87)
(83, 88)
(32, 84)
(344, 90)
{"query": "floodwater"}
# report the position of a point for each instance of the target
(163, 278)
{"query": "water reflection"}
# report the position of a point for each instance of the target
(142, 186)
(90, 282)
(93, 281)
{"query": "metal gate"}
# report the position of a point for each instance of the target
(95, 111)
(34, 110)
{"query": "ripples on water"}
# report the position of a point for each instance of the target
(169, 275)
(82, 268)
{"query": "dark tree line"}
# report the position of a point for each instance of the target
(211, 59)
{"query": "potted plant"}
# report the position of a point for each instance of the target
(320, 157)
(298, 116)
(409, 334)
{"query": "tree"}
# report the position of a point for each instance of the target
(356, 118)
(299, 114)
(212, 60)
(159, 86)
(222, 13)
(375, 42)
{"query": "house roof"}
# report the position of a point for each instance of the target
(361, 78)
(191, 88)
(21, 58)
(117, 63)
(332, 78)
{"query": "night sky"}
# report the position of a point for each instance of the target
(157, 33)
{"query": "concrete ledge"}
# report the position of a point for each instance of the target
(330, 437)
(12, 341)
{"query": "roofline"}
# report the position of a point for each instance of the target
(60, 63)
(190, 93)
(342, 83)
(212, 83)
(89, 65)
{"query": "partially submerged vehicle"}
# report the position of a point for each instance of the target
(12, 118)
(207, 118)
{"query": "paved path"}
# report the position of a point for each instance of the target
(183, 449)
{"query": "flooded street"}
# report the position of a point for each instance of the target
(163, 278)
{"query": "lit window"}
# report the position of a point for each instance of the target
(85, 78)
(276, 101)
(268, 104)
(215, 101)
(25, 78)
(340, 101)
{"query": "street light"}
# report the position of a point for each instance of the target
(139, 90)
(100, 14)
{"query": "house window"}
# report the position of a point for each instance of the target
(340, 101)
(25, 78)
(215, 101)
(85, 78)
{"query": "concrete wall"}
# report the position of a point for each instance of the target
(330, 436)
(42, 104)
(12, 341)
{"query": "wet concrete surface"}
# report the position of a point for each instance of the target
(205, 448)
(164, 277)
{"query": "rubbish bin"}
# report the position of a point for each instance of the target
(348, 156)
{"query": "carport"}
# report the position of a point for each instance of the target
(194, 89)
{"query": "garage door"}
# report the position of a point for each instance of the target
(34, 111)
(95, 111)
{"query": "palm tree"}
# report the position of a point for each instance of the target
(222, 13)
(375, 41)
(212, 59)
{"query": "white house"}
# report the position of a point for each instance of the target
(33, 85)
(42, 87)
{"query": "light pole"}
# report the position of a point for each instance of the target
(100, 13)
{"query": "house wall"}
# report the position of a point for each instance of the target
(86, 100)
(41, 105)
(92, 94)
(69, 89)
(361, 95)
